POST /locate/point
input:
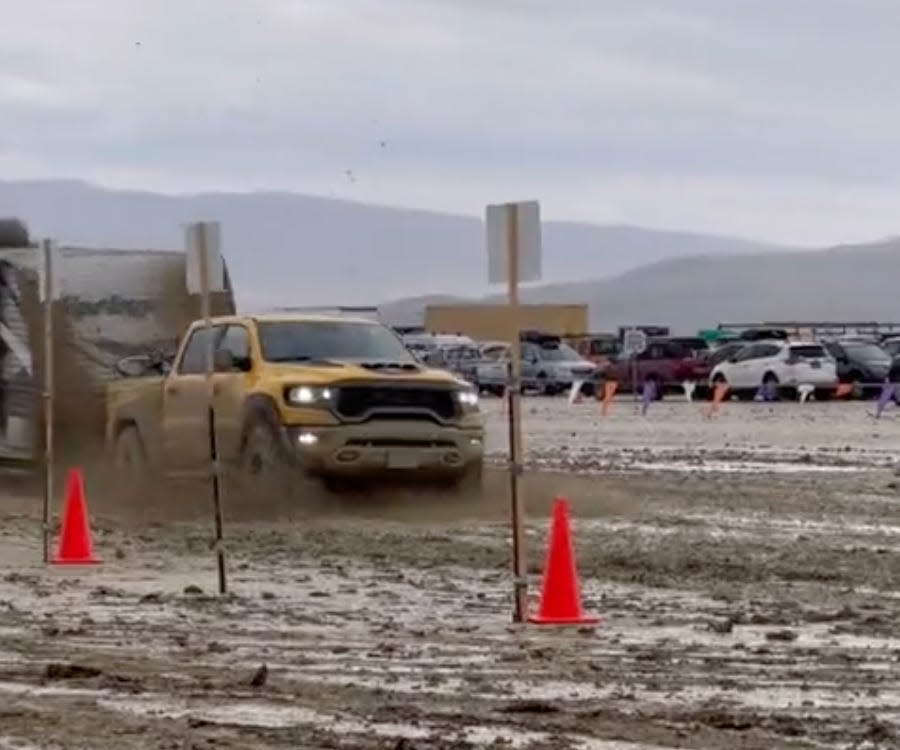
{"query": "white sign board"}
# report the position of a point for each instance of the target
(528, 235)
(634, 342)
(49, 252)
(215, 268)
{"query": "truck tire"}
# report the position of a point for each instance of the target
(470, 481)
(265, 467)
(133, 478)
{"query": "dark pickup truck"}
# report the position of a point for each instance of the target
(665, 362)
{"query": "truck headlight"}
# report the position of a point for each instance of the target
(468, 399)
(308, 395)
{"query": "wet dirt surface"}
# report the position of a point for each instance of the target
(742, 605)
(679, 436)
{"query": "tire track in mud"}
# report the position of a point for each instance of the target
(739, 611)
(426, 644)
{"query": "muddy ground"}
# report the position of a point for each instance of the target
(746, 570)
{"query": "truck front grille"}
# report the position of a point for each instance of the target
(362, 401)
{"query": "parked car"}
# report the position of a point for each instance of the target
(862, 363)
(601, 349)
(548, 366)
(778, 364)
(665, 362)
(892, 347)
(723, 352)
(764, 334)
(556, 366)
(422, 345)
(493, 350)
(460, 359)
(698, 346)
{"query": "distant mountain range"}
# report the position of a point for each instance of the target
(288, 249)
(848, 283)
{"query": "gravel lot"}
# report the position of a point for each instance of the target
(746, 569)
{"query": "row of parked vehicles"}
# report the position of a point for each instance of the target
(754, 359)
(549, 365)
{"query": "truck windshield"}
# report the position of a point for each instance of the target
(305, 341)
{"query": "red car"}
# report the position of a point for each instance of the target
(665, 362)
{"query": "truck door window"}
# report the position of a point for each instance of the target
(237, 341)
(193, 360)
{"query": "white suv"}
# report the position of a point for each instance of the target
(778, 364)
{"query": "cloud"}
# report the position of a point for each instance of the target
(637, 110)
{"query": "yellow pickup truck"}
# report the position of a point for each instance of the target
(295, 397)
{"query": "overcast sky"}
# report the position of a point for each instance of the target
(763, 118)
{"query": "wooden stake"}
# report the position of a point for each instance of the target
(49, 456)
(514, 392)
(211, 412)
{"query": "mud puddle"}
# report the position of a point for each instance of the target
(739, 609)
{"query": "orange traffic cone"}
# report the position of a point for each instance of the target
(609, 391)
(560, 598)
(75, 538)
(721, 390)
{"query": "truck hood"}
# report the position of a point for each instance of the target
(333, 373)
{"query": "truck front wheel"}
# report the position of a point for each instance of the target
(133, 479)
(470, 482)
(265, 465)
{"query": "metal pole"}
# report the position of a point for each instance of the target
(211, 412)
(47, 253)
(520, 581)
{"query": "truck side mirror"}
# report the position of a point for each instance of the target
(133, 367)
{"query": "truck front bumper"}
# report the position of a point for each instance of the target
(376, 447)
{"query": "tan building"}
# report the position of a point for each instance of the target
(493, 322)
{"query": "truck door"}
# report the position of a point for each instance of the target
(230, 389)
(185, 406)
